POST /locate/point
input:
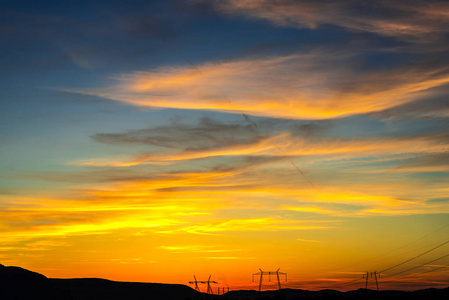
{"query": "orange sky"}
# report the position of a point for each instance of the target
(154, 142)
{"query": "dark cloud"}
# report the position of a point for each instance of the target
(430, 107)
(416, 21)
(438, 201)
(311, 129)
(405, 75)
(100, 38)
(207, 134)
(428, 162)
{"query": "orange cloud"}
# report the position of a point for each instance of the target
(196, 248)
(257, 224)
(316, 85)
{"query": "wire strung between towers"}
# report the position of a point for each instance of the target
(419, 255)
(428, 271)
(376, 258)
(416, 267)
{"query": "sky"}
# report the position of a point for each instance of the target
(157, 140)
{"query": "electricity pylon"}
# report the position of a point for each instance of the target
(208, 282)
(269, 273)
(196, 284)
(223, 290)
(374, 274)
(366, 276)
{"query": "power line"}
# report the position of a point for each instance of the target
(429, 271)
(396, 249)
(416, 267)
(412, 242)
(419, 255)
(343, 283)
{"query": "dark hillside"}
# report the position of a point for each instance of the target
(20, 284)
(91, 288)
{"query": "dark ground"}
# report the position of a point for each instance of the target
(20, 284)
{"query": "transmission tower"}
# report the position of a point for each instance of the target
(269, 273)
(196, 284)
(374, 274)
(208, 282)
(366, 276)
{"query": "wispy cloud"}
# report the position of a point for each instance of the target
(218, 140)
(229, 257)
(197, 249)
(414, 19)
(308, 241)
(315, 85)
(256, 224)
(208, 133)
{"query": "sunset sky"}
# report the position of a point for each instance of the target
(156, 140)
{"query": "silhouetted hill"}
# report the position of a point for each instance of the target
(20, 284)
(92, 288)
(12, 274)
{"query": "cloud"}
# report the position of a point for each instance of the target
(255, 224)
(430, 107)
(319, 84)
(158, 158)
(179, 142)
(265, 147)
(422, 20)
(133, 261)
(228, 257)
(308, 241)
(53, 221)
(207, 134)
(438, 201)
(309, 209)
(102, 175)
(438, 162)
(135, 206)
(197, 249)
